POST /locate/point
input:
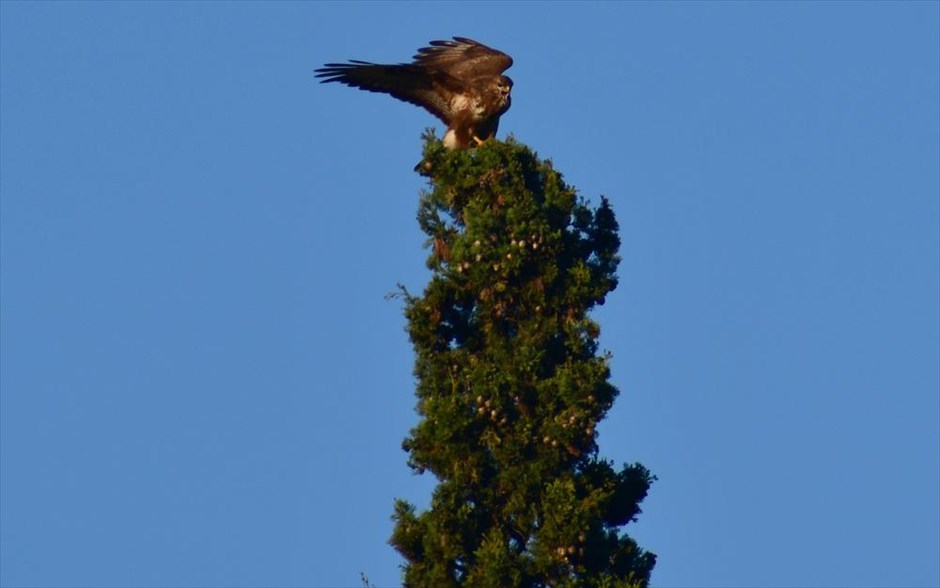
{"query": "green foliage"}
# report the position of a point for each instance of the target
(510, 385)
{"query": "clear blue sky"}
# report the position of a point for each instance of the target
(203, 384)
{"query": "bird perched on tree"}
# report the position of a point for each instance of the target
(459, 82)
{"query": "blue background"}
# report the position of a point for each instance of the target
(203, 384)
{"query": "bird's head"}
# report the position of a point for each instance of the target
(504, 84)
(503, 87)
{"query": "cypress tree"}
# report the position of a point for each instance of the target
(510, 384)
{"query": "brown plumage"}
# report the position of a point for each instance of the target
(459, 82)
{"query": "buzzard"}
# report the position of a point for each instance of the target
(459, 82)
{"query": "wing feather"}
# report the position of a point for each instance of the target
(431, 90)
(463, 58)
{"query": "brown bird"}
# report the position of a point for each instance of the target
(459, 82)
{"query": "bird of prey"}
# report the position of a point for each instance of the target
(459, 82)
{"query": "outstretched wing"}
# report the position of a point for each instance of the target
(431, 90)
(463, 58)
